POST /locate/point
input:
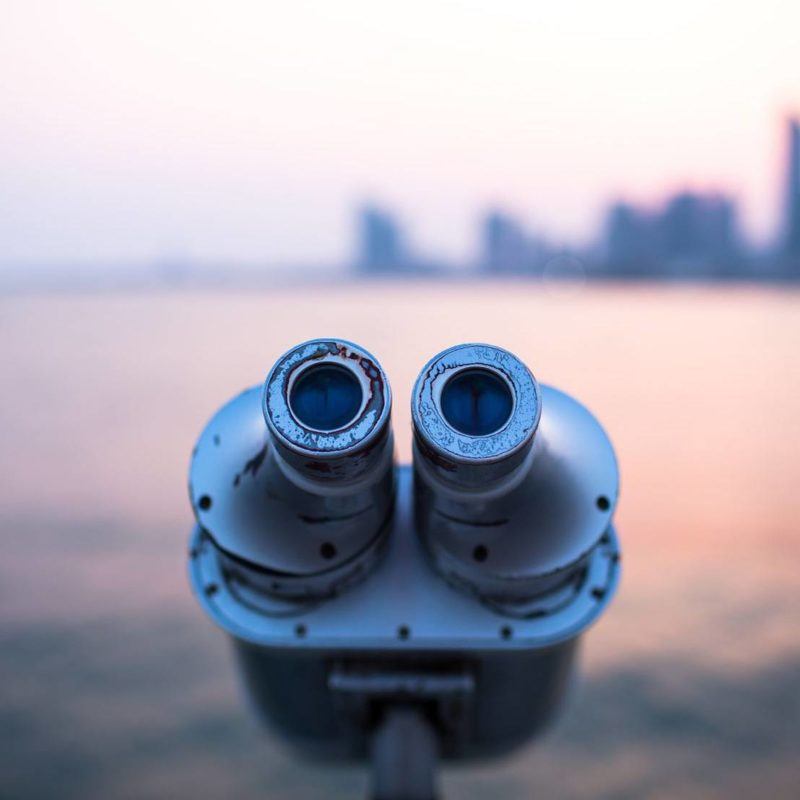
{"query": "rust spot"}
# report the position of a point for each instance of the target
(435, 457)
(369, 368)
(253, 465)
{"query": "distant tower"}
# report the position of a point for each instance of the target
(380, 242)
(681, 228)
(698, 235)
(793, 193)
(505, 244)
(630, 244)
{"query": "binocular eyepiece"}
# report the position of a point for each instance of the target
(510, 501)
(293, 482)
(327, 406)
(475, 410)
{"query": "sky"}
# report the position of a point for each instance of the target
(249, 132)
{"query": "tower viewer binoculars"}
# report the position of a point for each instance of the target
(407, 613)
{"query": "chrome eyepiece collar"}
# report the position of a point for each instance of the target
(475, 410)
(322, 436)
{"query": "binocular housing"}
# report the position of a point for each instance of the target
(458, 587)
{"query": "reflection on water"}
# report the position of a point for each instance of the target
(115, 685)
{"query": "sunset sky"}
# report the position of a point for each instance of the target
(250, 131)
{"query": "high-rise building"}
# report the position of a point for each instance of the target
(692, 236)
(380, 242)
(630, 241)
(697, 235)
(792, 242)
(503, 243)
(508, 248)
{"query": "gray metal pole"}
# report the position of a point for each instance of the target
(404, 756)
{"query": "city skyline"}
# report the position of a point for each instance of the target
(686, 234)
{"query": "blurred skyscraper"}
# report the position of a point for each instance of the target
(507, 248)
(503, 243)
(381, 247)
(690, 235)
(630, 241)
(693, 236)
(697, 235)
(792, 242)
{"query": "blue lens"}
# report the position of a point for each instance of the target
(325, 397)
(476, 402)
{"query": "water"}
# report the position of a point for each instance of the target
(115, 685)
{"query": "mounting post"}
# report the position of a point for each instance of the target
(404, 756)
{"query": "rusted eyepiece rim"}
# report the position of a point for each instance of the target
(430, 422)
(359, 431)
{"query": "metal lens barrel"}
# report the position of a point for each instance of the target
(293, 483)
(515, 483)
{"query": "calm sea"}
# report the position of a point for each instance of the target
(113, 683)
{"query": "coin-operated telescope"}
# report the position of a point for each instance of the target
(409, 613)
